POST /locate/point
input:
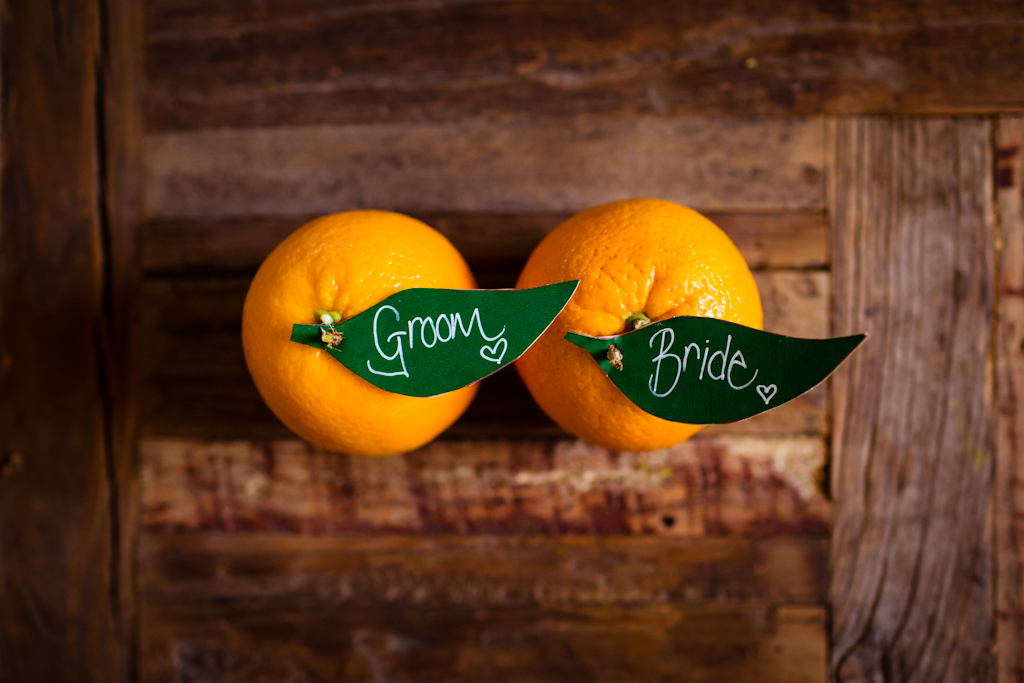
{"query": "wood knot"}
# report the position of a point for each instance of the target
(12, 464)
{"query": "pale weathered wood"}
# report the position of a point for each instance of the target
(196, 383)
(1009, 477)
(258, 607)
(65, 599)
(722, 485)
(485, 166)
(913, 266)
(776, 239)
(236, 63)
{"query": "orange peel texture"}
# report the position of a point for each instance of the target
(346, 262)
(635, 256)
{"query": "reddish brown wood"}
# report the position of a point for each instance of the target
(258, 607)
(197, 385)
(1008, 491)
(71, 144)
(236, 63)
(726, 485)
(490, 242)
(913, 256)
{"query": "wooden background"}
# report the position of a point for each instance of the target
(157, 524)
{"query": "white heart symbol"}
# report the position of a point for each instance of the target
(492, 351)
(766, 392)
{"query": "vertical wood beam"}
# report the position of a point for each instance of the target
(1009, 482)
(913, 240)
(121, 82)
(67, 268)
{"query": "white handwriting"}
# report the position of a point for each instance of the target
(722, 372)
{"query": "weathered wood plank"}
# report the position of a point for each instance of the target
(913, 266)
(485, 166)
(226, 407)
(196, 384)
(782, 239)
(237, 63)
(248, 607)
(1009, 477)
(485, 571)
(712, 486)
(66, 590)
(282, 641)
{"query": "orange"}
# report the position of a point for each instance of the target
(346, 263)
(639, 256)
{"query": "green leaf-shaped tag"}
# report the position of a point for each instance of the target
(425, 342)
(708, 371)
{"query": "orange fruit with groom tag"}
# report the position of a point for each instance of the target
(339, 266)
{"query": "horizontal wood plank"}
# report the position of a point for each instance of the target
(235, 63)
(708, 643)
(493, 571)
(485, 166)
(780, 239)
(196, 383)
(220, 607)
(711, 486)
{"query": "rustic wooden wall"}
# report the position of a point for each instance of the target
(838, 143)
(71, 145)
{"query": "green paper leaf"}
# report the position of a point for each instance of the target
(708, 371)
(426, 342)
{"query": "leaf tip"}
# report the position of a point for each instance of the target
(590, 344)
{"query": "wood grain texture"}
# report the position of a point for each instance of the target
(487, 571)
(282, 641)
(490, 242)
(120, 174)
(485, 166)
(237, 64)
(196, 383)
(64, 607)
(285, 608)
(712, 486)
(1009, 478)
(913, 266)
